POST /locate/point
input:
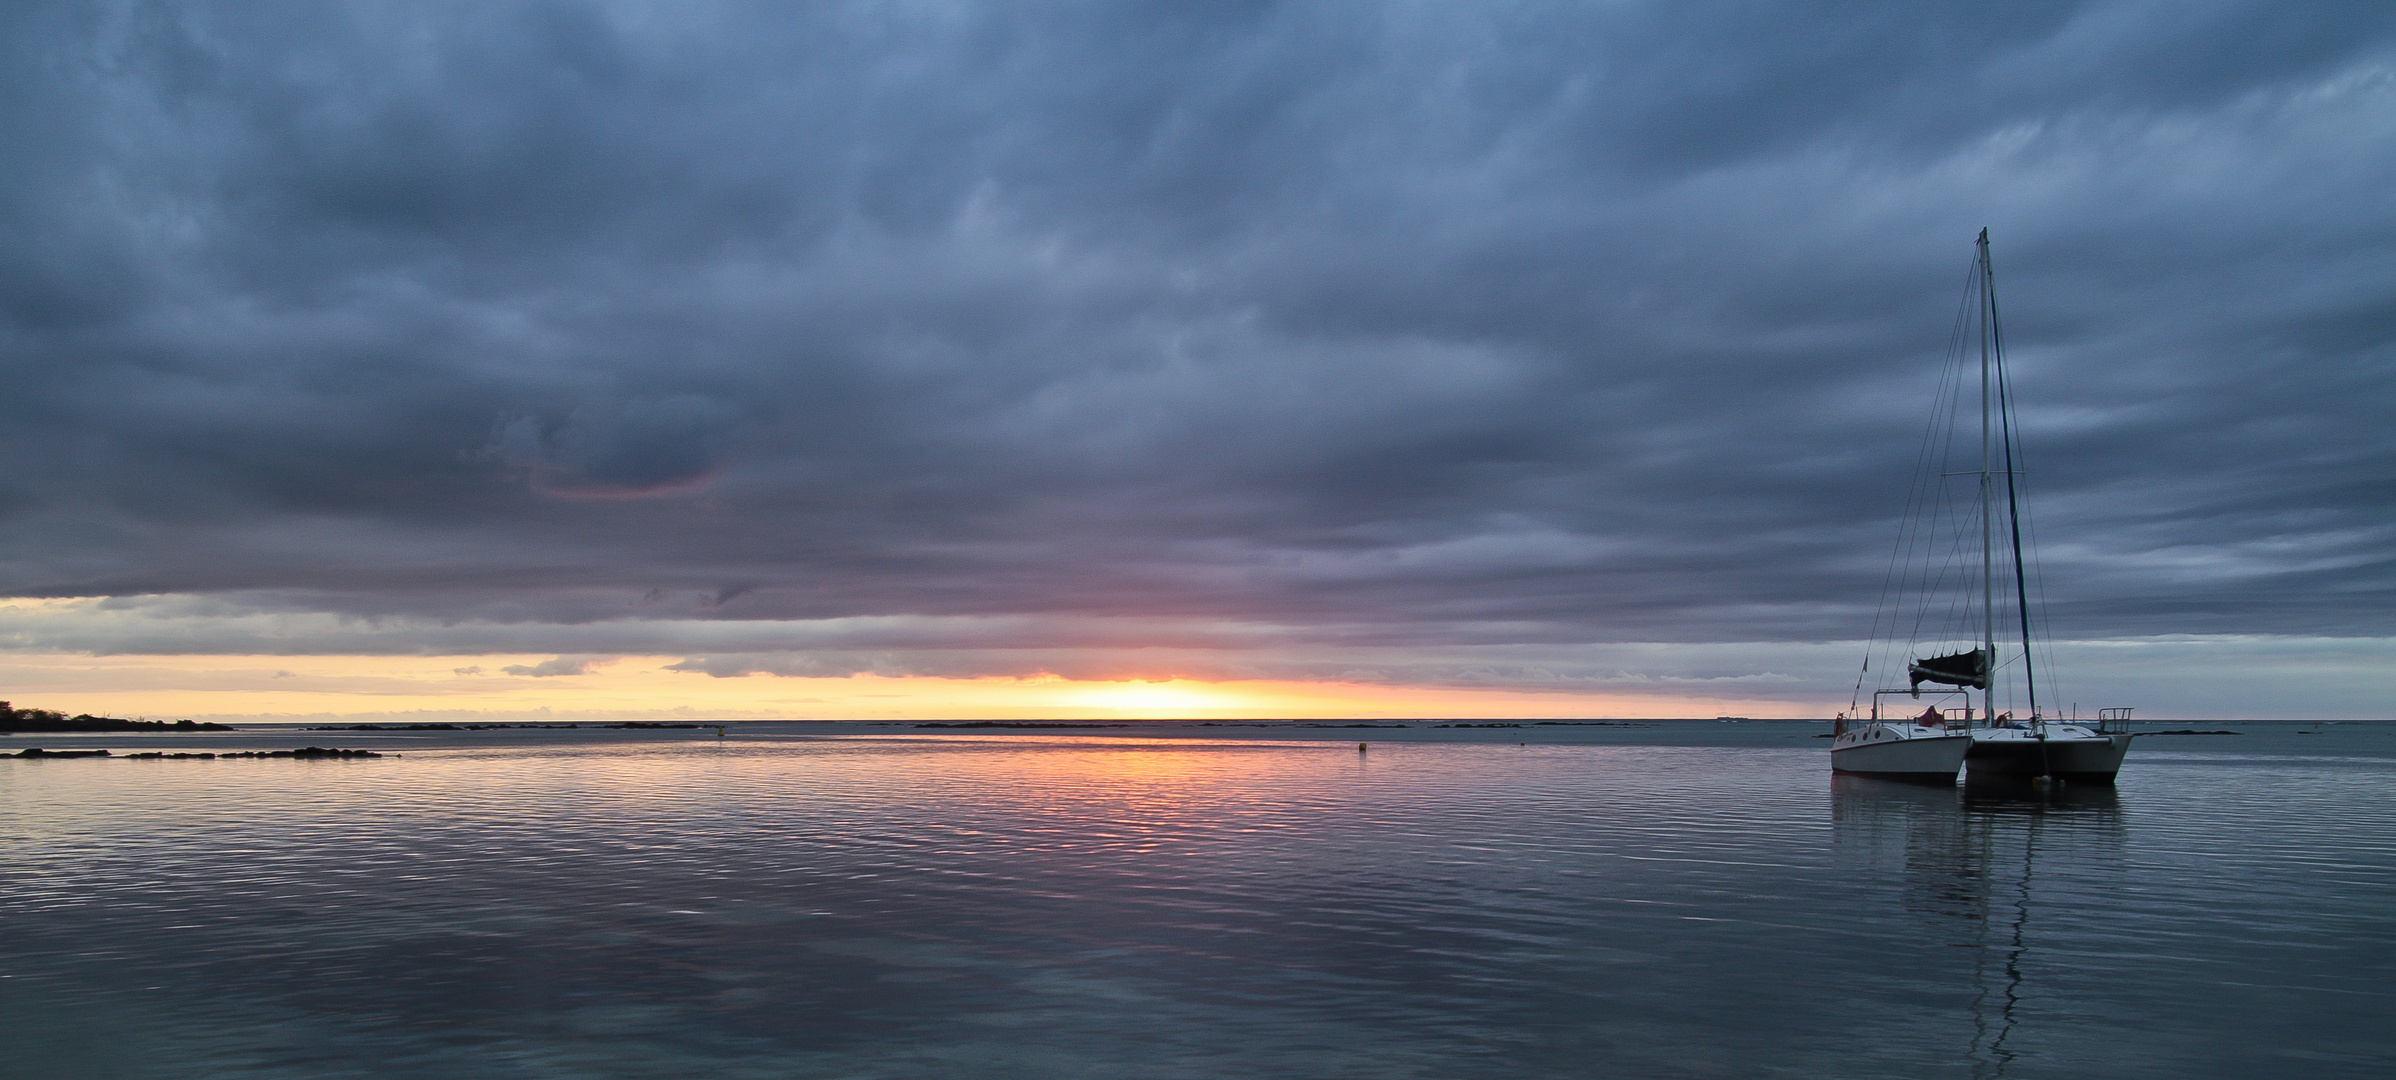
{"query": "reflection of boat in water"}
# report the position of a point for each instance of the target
(1946, 604)
(1991, 870)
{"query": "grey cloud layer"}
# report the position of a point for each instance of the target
(1550, 325)
(2168, 676)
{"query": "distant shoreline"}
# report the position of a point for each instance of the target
(13, 720)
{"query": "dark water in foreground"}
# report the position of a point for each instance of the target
(1039, 905)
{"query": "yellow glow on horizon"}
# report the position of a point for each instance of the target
(483, 687)
(1174, 698)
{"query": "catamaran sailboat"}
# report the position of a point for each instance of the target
(1934, 579)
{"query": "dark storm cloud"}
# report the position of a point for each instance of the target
(1429, 325)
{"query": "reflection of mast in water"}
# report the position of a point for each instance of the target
(2099, 808)
(1957, 856)
(1989, 1054)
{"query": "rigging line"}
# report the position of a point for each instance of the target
(1935, 585)
(2038, 579)
(1957, 624)
(1927, 587)
(1921, 486)
(1913, 551)
(2043, 621)
(2013, 503)
(1933, 479)
(1917, 569)
(1948, 624)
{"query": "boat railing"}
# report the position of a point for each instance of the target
(2113, 721)
(1959, 718)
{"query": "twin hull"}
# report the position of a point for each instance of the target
(1915, 753)
(1900, 753)
(2075, 754)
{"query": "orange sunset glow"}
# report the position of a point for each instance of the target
(272, 687)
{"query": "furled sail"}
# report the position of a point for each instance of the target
(1960, 669)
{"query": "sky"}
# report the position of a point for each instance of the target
(946, 359)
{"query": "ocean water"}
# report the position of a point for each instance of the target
(1701, 901)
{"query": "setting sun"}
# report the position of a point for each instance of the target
(1176, 698)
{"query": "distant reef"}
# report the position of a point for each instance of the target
(304, 753)
(640, 724)
(15, 719)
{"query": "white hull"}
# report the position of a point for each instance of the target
(2068, 752)
(1900, 751)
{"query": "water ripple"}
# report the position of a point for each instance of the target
(1012, 906)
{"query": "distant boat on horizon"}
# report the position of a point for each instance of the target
(1957, 601)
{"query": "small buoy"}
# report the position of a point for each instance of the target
(1360, 748)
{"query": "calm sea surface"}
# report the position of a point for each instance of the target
(1696, 901)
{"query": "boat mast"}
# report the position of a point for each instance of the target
(2013, 499)
(1988, 576)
